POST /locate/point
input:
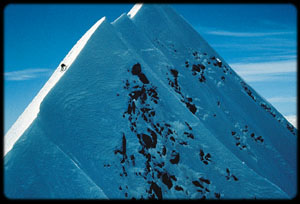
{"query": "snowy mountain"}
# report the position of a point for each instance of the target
(147, 109)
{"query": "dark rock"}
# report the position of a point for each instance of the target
(166, 180)
(123, 151)
(173, 177)
(135, 95)
(188, 126)
(152, 113)
(178, 188)
(204, 180)
(133, 107)
(160, 164)
(183, 143)
(190, 135)
(145, 110)
(202, 78)
(152, 92)
(126, 85)
(143, 95)
(217, 195)
(136, 69)
(207, 156)
(154, 137)
(147, 141)
(167, 125)
(191, 107)
(129, 109)
(132, 159)
(201, 66)
(196, 183)
(164, 151)
(156, 189)
(234, 178)
(170, 132)
(174, 72)
(227, 170)
(201, 153)
(143, 78)
(195, 68)
(175, 157)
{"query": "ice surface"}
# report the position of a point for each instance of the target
(147, 109)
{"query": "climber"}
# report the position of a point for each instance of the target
(63, 67)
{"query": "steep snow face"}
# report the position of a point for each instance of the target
(32, 110)
(134, 10)
(220, 97)
(149, 110)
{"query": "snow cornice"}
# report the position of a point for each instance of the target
(134, 10)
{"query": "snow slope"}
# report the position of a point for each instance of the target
(148, 109)
(32, 110)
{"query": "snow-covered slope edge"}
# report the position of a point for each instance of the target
(154, 59)
(165, 37)
(32, 110)
(132, 120)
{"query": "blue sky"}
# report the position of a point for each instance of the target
(259, 41)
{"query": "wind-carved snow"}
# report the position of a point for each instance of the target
(140, 115)
(134, 10)
(32, 110)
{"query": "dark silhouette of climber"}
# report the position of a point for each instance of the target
(63, 67)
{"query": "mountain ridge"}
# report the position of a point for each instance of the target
(166, 130)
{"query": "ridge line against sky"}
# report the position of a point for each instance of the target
(258, 41)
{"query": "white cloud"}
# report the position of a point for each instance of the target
(266, 67)
(260, 71)
(246, 34)
(274, 57)
(292, 119)
(26, 74)
(231, 33)
(282, 99)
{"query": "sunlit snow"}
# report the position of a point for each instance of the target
(30, 113)
(147, 109)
